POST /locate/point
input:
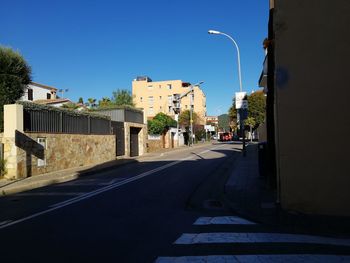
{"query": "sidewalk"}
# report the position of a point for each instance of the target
(248, 194)
(8, 187)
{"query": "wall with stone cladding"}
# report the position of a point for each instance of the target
(62, 151)
(154, 145)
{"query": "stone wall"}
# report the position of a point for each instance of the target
(61, 151)
(154, 145)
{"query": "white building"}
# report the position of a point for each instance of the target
(35, 91)
(42, 94)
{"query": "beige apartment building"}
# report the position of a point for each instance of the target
(157, 96)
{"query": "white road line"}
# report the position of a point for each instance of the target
(112, 181)
(51, 194)
(208, 238)
(223, 220)
(5, 222)
(295, 258)
(95, 192)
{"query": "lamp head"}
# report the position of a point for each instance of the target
(214, 32)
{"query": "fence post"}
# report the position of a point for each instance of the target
(13, 122)
(89, 125)
(61, 122)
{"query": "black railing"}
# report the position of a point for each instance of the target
(56, 121)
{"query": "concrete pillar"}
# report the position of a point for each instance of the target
(13, 120)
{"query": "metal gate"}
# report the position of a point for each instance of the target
(134, 141)
(118, 131)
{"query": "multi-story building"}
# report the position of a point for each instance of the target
(158, 96)
(306, 66)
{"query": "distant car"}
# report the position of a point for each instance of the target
(225, 136)
(214, 137)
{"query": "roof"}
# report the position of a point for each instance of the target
(42, 86)
(51, 101)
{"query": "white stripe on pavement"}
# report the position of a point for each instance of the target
(223, 220)
(4, 222)
(97, 192)
(300, 258)
(206, 238)
(51, 194)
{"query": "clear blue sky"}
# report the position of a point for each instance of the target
(95, 47)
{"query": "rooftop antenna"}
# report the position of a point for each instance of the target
(63, 91)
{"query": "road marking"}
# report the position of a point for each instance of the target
(223, 220)
(51, 194)
(5, 222)
(207, 238)
(296, 258)
(96, 192)
(112, 181)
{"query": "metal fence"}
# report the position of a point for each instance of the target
(48, 121)
(123, 115)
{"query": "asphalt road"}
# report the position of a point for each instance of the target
(132, 213)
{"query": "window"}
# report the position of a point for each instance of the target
(170, 109)
(169, 86)
(48, 96)
(150, 111)
(160, 97)
(185, 106)
(170, 100)
(150, 87)
(30, 94)
(150, 100)
(141, 99)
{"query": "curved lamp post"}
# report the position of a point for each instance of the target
(214, 32)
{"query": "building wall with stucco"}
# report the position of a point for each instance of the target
(156, 96)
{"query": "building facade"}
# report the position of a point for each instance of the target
(306, 66)
(157, 96)
(35, 91)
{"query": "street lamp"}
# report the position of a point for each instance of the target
(215, 32)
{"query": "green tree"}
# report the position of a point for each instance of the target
(15, 75)
(232, 114)
(122, 98)
(185, 119)
(257, 107)
(250, 121)
(81, 100)
(105, 102)
(160, 124)
(224, 122)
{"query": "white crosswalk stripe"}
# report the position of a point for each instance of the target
(206, 238)
(253, 239)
